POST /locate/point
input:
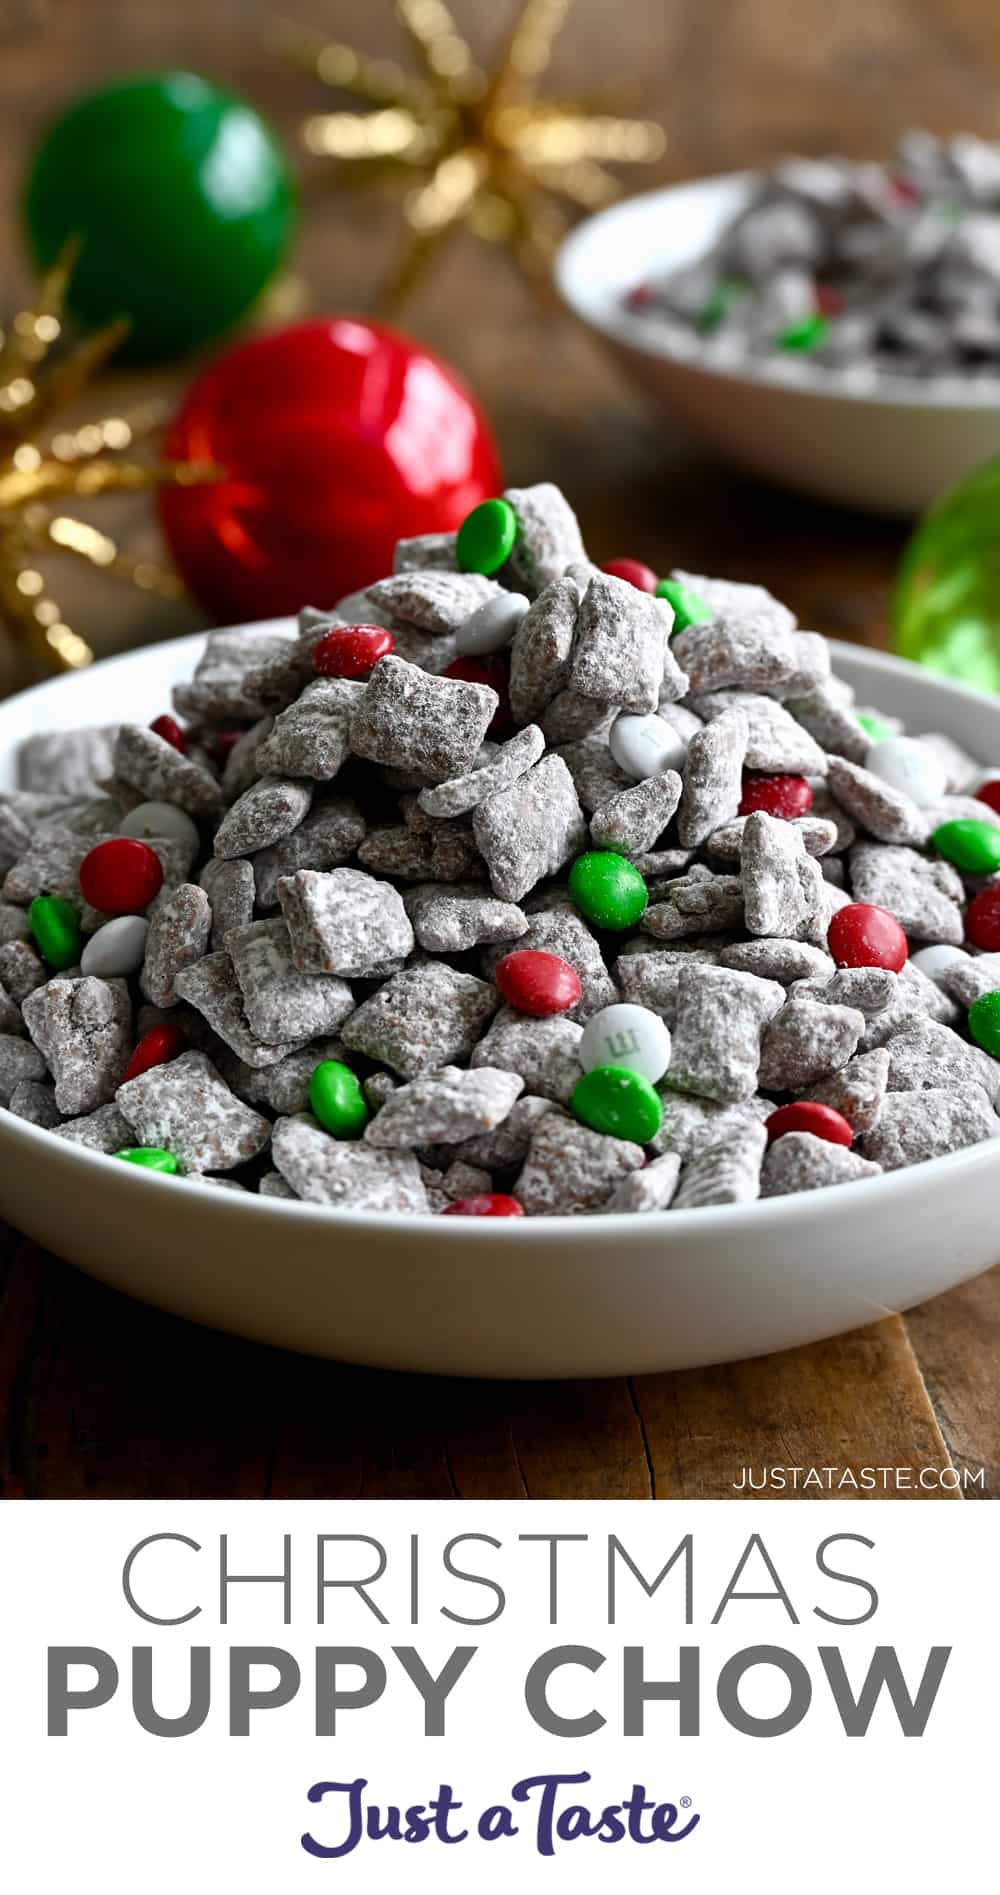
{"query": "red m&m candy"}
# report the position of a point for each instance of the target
(121, 877)
(784, 796)
(538, 983)
(156, 1047)
(487, 1204)
(225, 741)
(494, 672)
(863, 935)
(634, 573)
(351, 651)
(169, 729)
(807, 1115)
(989, 793)
(982, 919)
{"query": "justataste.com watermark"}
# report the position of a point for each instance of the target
(853, 1480)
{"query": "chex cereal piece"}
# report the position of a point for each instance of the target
(965, 980)
(211, 987)
(801, 1162)
(311, 738)
(19, 1060)
(557, 928)
(779, 879)
(621, 655)
(160, 774)
(343, 922)
(650, 980)
(22, 970)
(281, 1003)
(929, 1054)
(445, 1107)
(806, 1042)
(713, 778)
(422, 1017)
(858, 1090)
(14, 924)
(448, 918)
(241, 766)
(540, 650)
(10, 1013)
(735, 598)
(328, 838)
(35, 1102)
(267, 812)
(50, 866)
(70, 762)
(466, 792)
(692, 1125)
(465, 1181)
(716, 1045)
(350, 1175)
(21, 815)
(924, 896)
(571, 717)
(507, 1144)
(632, 820)
(962, 771)
(230, 890)
(432, 726)
(777, 743)
(273, 1185)
(283, 1087)
(443, 852)
(748, 652)
(186, 1108)
(570, 1168)
(283, 670)
(433, 601)
(649, 1190)
(726, 1173)
(531, 829)
(826, 810)
(596, 775)
(834, 725)
(696, 903)
(106, 1130)
(875, 805)
(548, 535)
(870, 989)
(775, 958)
(180, 923)
(546, 1052)
(424, 549)
(84, 1030)
(915, 1126)
(662, 863)
(224, 683)
(961, 809)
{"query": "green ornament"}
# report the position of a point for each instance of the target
(984, 1023)
(181, 200)
(805, 335)
(688, 608)
(618, 1101)
(607, 889)
(486, 537)
(973, 847)
(150, 1157)
(877, 731)
(55, 925)
(337, 1099)
(946, 607)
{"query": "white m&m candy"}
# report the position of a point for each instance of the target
(625, 1035)
(909, 766)
(160, 819)
(491, 626)
(645, 745)
(116, 949)
(933, 961)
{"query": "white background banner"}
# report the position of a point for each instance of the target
(722, 1739)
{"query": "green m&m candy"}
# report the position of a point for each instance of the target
(618, 1101)
(337, 1099)
(151, 1157)
(973, 847)
(877, 731)
(607, 889)
(486, 537)
(805, 335)
(55, 925)
(688, 608)
(984, 1023)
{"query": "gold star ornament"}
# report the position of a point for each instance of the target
(471, 149)
(39, 471)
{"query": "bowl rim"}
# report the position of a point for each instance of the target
(725, 1219)
(618, 324)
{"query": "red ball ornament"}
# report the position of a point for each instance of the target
(160, 1044)
(169, 729)
(807, 1115)
(121, 877)
(864, 935)
(783, 796)
(495, 672)
(338, 437)
(982, 919)
(536, 982)
(487, 1204)
(634, 573)
(351, 651)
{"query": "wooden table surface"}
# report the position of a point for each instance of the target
(102, 1398)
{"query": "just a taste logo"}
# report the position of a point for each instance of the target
(507, 1590)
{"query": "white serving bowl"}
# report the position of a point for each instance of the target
(534, 1297)
(893, 451)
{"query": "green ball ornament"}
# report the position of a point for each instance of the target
(619, 1102)
(946, 608)
(181, 200)
(607, 889)
(984, 1023)
(337, 1100)
(973, 847)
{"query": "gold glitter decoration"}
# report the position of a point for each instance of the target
(37, 475)
(473, 149)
